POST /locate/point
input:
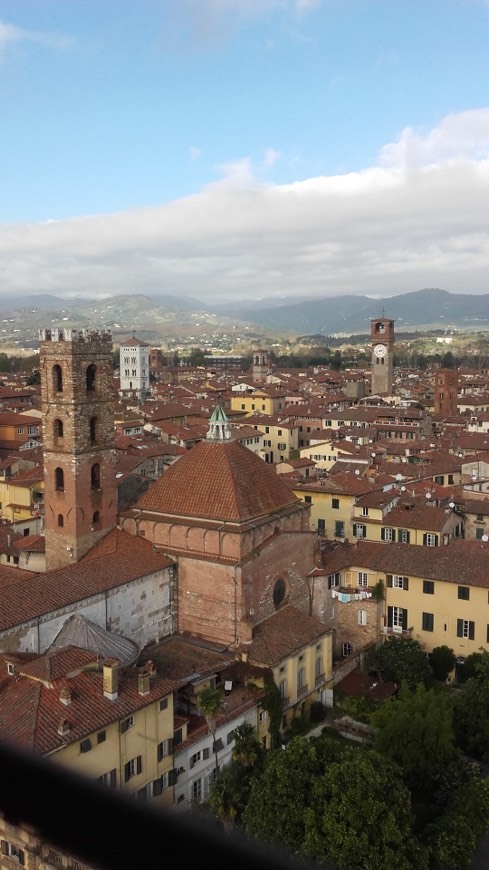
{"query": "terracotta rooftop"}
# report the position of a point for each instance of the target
(282, 634)
(218, 480)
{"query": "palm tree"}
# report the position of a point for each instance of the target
(247, 748)
(210, 702)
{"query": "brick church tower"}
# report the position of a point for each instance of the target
(80, 493)
(382, 343)
(446, 392)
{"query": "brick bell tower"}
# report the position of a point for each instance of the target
(382, 340)
(80, 494)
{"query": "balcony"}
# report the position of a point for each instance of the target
(351, 593)
(302, 690)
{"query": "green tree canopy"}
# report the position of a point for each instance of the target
(471, 712)
(402, 659)
(415, 731)
(442, 661)
(360, 815)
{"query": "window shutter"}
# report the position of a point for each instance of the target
(389, 614)
(170, 745)
(436, 540)
(425, 539)
(393, 534)
(408, 536)
(206, 753)
(389, 580)
(157, 787)
(404, 619)
(460, 628)
(139, 763)
(406, 583)
(471, 630)
(127, 772)
(382, 534)
(4, 847)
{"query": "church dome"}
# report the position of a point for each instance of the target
(218, 480)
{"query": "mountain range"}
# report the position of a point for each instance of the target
(152, 316)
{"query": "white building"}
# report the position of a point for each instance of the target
(134, 368)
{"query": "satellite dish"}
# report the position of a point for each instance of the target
(403, 489)
(428, 495)
(485, 538)
(451, 505)
(357, 471)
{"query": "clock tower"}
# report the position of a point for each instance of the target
(382, 339)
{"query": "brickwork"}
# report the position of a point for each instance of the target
(445, 393)
(382, 337)
(78, 426)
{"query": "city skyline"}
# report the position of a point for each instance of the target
(223, 150)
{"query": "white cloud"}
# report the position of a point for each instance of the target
(417, 219)
(10, 34)
(195, 153)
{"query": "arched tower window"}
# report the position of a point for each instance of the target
(279, 591)
(93, 430)
(95, 476)
(57, 429)
(96, 519)
(57, 379)
(91, 371)
(61, 520)
(59, 479)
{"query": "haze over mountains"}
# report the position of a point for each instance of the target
(429, 308)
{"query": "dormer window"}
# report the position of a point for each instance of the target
(10, 669)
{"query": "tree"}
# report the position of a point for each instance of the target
(402, 659)
(228, 793)
(247, 749)
(360, 815)
(442, 661)
(453, 837)
(471, 712)
(210, 702)
(415, 732)
(275, 809)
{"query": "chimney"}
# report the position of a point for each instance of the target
(143, 682)
(65, 695)
(63, 727)
(111, 679)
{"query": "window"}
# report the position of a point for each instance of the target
(90, 376)
(177, 736)
(397, 618)
(133, 767)
(13, 852)
(57, 379)
(57, 429)
(229, 737)
(59, 480)
(197, 790)
(96, 518)
(359, 530)
(465, 628)
(335, 503)
(321, 525)
(283, 689)
(163, 704)
(95, 476)
(427, 622)
(362, 617)
(464, 593)
(428, 587)
(164, 748)
(339, 529)
(109, 778)
(388, 534)
(86, 745)
(93, 430)
(362, 578)
(364, 511)
(195, 758)
(61, 520)
(396, 582)
(101, 737)
(346, 649)
(263, 715)
(333, 580)
(479, 534)
(279, 592)
(127, 723)
(430, 540)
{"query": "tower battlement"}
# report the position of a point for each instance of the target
(75, 335)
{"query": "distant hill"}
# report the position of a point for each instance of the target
(430, 308)
(167, 315)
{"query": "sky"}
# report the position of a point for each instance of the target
(244, 149)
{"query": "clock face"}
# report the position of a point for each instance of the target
(380, 350)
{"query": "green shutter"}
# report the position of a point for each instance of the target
(406, 583)
(471, 630)
(425, 539)
(389, 616)
(460, 628)
(389, 580)
(404, 619)
(382, 534)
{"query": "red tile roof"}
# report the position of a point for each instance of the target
(218, 480)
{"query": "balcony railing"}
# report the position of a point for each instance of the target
(351, 593)
(302, 690)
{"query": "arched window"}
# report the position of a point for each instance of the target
(279, 591)
(61, 520)
(95, 476)
(93, 430)
(91, 370)
(96, 519)
(57, 379)
(57, 429)
(59, 479)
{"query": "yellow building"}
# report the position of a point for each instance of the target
(332, 502)
(271, 402)
(21, 490)
(280, 439)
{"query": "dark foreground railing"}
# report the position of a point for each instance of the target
(112, 831)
